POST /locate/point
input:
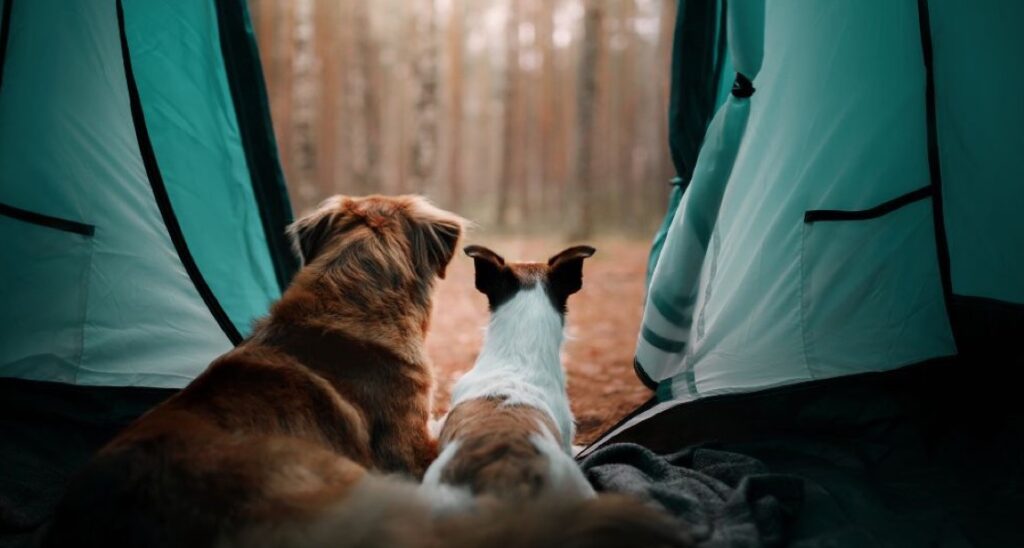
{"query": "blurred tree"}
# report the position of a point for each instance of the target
(364, 107)
(663, 78)
(425, 79)
(304, 90)
(549, 132)
(510, 132)
(531, 115)
(455, 108)
(582, 196)
(332, 59)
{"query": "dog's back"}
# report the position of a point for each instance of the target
(274, 441)
(192, 471)
(508, 452)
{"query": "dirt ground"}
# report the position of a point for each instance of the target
(602, 326)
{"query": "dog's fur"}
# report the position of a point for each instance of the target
(507, 438)
(309, 433)
(272, 444)
(510, 429)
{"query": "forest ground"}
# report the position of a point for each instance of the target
(602, 326)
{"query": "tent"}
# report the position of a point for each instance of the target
(837, 289)
(141, 200)
(142, 210)
(852, 199)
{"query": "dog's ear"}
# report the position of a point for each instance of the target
(492, 277)
(435, 236)
(565, 271)
(440, 238)
(311, 232)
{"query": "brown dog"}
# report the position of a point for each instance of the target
(272, 444)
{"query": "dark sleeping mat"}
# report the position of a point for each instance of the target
(723, 498)
(931, 455)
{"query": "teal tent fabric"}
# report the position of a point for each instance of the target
(701, 77)
(188, 107)
(811, 241)
(977, 49)
(118, 118)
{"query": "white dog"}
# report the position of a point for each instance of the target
(510, 429)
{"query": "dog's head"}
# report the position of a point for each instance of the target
(560, 276)
(386, 241)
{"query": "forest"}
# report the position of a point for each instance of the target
(526, 116)
(542, 121)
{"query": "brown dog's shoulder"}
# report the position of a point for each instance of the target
(279, 430)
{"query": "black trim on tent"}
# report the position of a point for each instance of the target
(820, 215)
(46, 220)
(252, 111)
(643, 376)
(163, 201)
(934, 164)
(5, 32)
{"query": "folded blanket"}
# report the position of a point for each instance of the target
(725, 498)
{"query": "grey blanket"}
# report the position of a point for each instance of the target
(725, 498)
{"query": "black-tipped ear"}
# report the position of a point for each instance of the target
(492, 278)
(310, 233)
(565, 272)
(482, 253)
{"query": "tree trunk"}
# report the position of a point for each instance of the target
(331, 68)
(510, 141)
(549, 128)
(454, 38)
(630, 165)
(528, 129)
(425, 74)
(663, 168)
(304, 84)
(586, 100)
(364, 108)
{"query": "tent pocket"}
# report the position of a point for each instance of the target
(44, 280)
(871, 290)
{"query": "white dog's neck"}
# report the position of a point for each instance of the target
(525, 337)
(521, 360)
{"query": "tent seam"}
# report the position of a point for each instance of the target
(803, 301)
(161, 196)
(85, 310)
(47, 221)
(5, 33)
(255, 129)
(935, 167)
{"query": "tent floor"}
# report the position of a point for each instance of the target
(47, 431)
(927, 455)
